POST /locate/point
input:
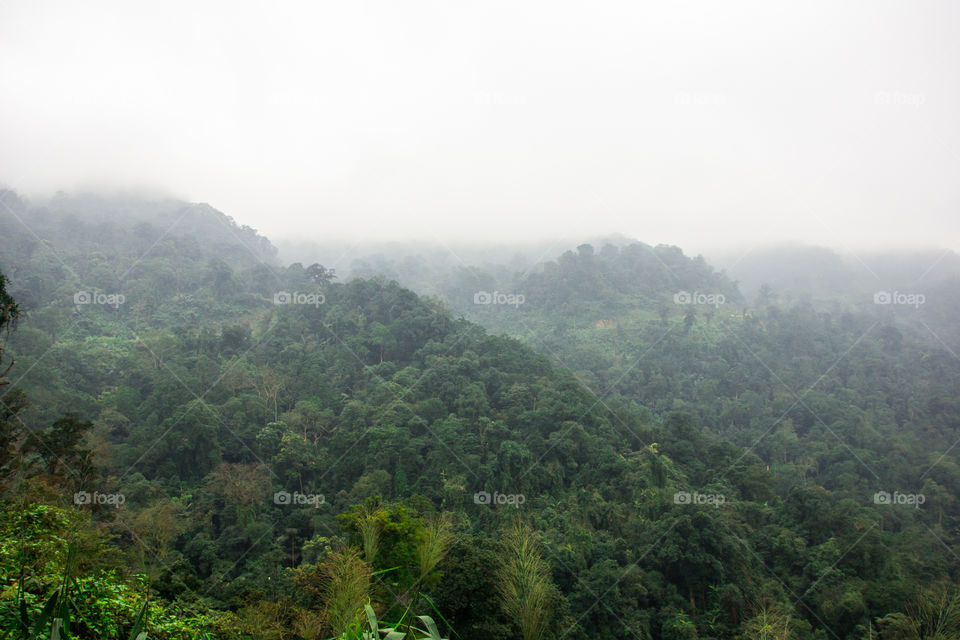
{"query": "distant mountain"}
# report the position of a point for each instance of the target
(74, 244)
(819, 273)
(351, 258)
(602, 279)
(123, 226)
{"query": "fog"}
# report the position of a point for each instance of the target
(700, 124)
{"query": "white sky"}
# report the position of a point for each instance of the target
(693, 123)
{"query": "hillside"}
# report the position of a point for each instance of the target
(261, 450)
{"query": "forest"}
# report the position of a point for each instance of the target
(200, 440)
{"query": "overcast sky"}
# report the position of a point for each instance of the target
(692, 123)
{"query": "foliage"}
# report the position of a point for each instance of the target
(285, 466)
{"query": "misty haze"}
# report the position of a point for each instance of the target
(487, 320)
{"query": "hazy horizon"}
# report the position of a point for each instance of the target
(561, 241)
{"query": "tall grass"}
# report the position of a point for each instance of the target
(526, 589)
(346, 588)
(434, 543)
(935, 614)
(370, 525)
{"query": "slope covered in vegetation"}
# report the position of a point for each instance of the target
(261, 450)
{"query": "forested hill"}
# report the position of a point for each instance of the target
(821, 274)
(609, 284)
(72, 242)
(848, 378)
(260, 450)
